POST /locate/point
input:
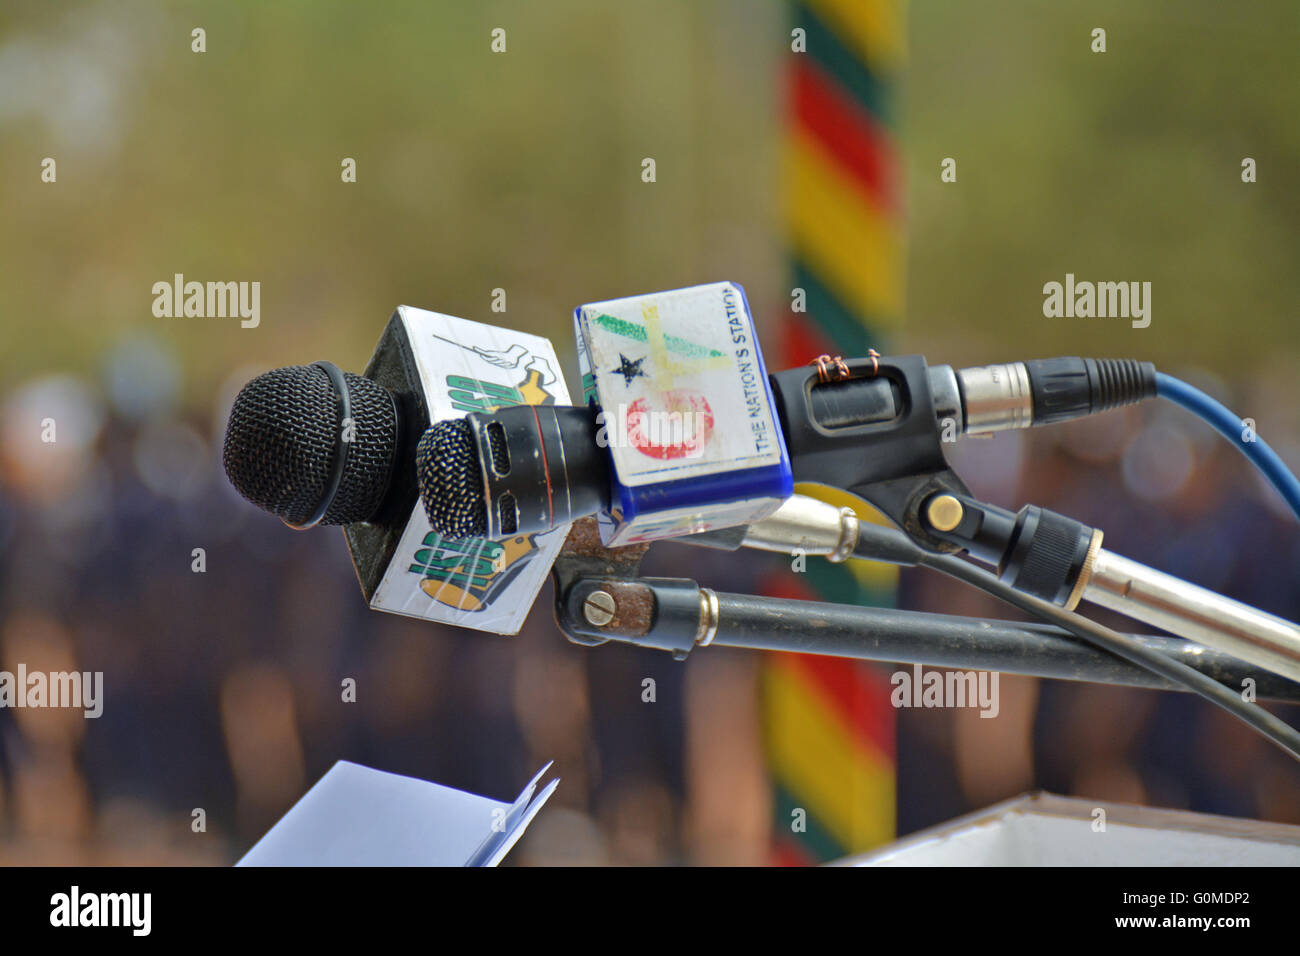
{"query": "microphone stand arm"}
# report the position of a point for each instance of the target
(869, 426)
(1061, 560)
(600, 598)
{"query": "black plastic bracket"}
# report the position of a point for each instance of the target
(1035, 550)
(891, 456)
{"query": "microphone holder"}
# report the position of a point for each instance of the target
(869, 426)
(600, 597)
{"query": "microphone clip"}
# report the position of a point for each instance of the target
(869, 426)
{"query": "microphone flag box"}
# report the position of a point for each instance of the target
(443, 367)
(686, 412)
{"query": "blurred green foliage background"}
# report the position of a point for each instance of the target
(522, 171)
(1123, 165)
(476, 170)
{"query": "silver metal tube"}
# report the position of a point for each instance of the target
(806, 525)
(1201, 616)
(996, 397)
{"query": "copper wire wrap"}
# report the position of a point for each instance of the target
(830, 368)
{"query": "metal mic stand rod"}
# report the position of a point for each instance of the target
(1180, 607)
(599, 598)
(941, 640)
(1051, 557)
(1060, 560)
(677, 615)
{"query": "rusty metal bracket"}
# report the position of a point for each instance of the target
(600, 596)
(584, 566)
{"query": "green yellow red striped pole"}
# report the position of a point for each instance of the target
(828, 725)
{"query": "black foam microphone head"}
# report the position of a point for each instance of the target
(447, 469)
(286, 433)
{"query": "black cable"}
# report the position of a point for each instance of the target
(880, 543)
(1276, 730)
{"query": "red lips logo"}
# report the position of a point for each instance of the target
(680, 428)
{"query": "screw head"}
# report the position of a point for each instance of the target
(945, 512)
(599, 608)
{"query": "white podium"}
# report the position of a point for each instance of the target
(1046, 830)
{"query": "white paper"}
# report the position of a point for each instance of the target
(357, 816)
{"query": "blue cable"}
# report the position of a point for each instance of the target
(1233, 428)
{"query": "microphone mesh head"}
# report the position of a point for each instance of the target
(281, 439)
(447, 469)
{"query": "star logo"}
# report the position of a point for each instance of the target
(629, 369)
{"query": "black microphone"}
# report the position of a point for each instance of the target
(521, 470)
(312, 444)
(315, 445)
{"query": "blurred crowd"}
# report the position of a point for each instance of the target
(223, 666)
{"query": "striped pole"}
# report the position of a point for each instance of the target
(829, 728)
